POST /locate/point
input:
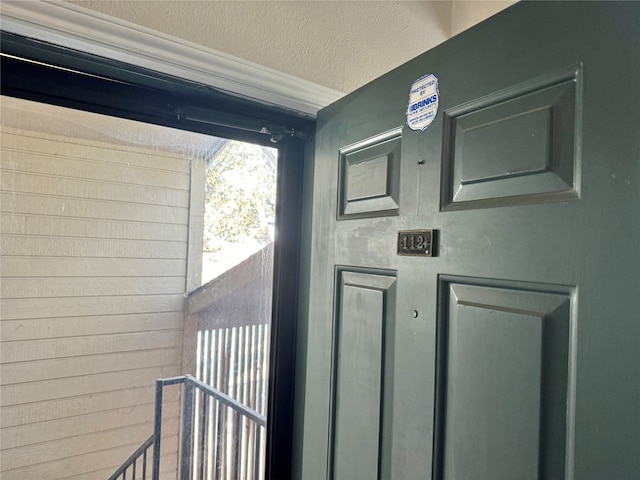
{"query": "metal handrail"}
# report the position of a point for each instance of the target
(227, 400)
(131, 462)
(155, 440)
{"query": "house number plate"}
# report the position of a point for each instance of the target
(418, 243)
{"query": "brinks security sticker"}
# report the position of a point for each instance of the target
(423, 102)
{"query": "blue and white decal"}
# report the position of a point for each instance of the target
(423, 102)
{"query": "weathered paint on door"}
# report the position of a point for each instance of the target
(513, 353)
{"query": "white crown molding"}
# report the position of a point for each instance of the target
(79, 28)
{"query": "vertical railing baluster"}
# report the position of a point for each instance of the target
(254, 387)
(254, 403)
(249, 402)
(260, 392)
(197, 426)
(144, 465)
(226, 362)
(211, 348)
(256, 449)
(211, 412)
(205, 355)
(203, 437)
(240, 397)
(157, 432)
(261, 347)
(215, 349)
(198, 354)
(219, 428)
(236, 446)
(263, 336)
(233, 389)
(215, 380)
(187, 431)
(234, 370)
(226, 448)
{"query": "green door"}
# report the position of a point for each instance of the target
(513, 352)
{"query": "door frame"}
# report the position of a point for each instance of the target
(46, 73)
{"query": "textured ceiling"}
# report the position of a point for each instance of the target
(338, 44)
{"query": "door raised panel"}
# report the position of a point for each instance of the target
(364, 314)
(503, 381)
(369, 179)
(516, 146)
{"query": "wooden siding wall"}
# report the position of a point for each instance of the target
(94, 241)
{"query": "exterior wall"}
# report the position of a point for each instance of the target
(94, 243)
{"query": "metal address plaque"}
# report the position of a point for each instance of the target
(417, 243)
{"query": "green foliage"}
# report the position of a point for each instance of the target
(240, 196)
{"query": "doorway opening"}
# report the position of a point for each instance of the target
(51, 76)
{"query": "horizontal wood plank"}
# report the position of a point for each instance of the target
(23, 308)
(61, 186)
(39, 328)
(42, 143)
(20, 287)
(83, 267)
(72, 165)
(33, 371)
(32, 204)
(80, 425)
(33, 413)
(53, 389)
(22, 245)
(82, 444)
(29, 350)
(37, 225)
